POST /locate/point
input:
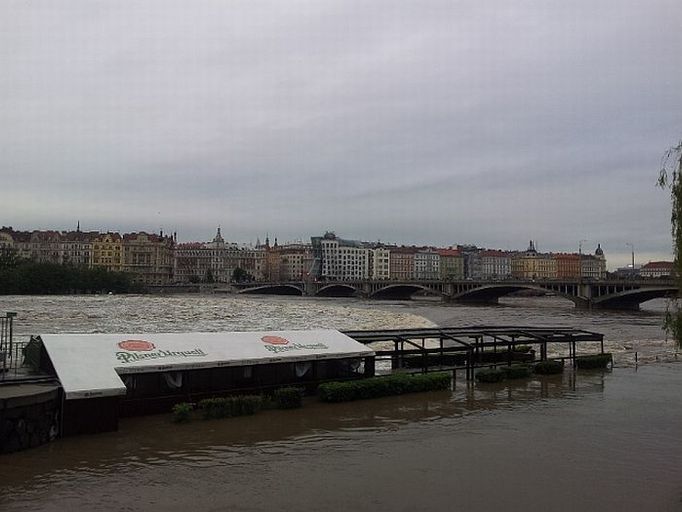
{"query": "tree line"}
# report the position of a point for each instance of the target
(19, 276)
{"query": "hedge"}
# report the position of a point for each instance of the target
(492, 375)
(595, 361)
(227, 407)
(517, 371)
(549, 367)
(382, 386)
(288, 398)
(182, 412)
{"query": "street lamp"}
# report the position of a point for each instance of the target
(580, 259)
(633, 258)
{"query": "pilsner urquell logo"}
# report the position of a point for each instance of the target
(142, 350)
(275, 340)
(137, 345)
(278, 344)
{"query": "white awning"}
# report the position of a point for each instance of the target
(89, 365)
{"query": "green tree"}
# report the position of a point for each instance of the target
(239, 275)
(8, 258)
(209, 276)
(670, 177)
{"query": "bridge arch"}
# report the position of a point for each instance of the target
(337, 290)
(492, 292)
(402, 291)
(631, 299)
(273, 289)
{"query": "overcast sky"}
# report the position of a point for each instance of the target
(426, 122)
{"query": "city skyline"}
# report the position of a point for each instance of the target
(78, 233)
(423, 123)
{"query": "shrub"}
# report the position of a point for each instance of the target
(595, 361)
(492, 375)
(182, 412)
(517, 371)
(382, 386)
(288, 398)
(247, 404)
(229, 406)
(550, 367)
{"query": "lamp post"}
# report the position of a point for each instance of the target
(633, 258)
(580, 260)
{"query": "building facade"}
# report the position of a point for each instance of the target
(495, 264)
(402, 263)
(657, 269)
(451, 264)
(342, 260)
(107, 251)
(426, 265)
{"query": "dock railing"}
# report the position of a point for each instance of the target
(469, 348)
(10, 352)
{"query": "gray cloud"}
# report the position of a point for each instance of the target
(425, 122)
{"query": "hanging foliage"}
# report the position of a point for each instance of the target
(670, 177)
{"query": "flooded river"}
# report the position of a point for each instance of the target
(585, 441)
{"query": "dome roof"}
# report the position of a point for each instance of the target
(599, 251)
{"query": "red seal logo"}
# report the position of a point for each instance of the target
(137, 345)
(275, 340)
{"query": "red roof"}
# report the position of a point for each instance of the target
(448, 252)
(663, 265)
(490, 253)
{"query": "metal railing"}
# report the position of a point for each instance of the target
(10, 354)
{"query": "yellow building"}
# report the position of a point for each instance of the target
(107, 251)
(531, 265)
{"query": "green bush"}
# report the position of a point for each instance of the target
(182, 412)
(230, 406)
(288, 398)
(382, 386)
(595, 361)
(248, 404)
(492, 375)
(550, 367)
(517, 371)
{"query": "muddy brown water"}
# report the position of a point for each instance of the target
(582, 441)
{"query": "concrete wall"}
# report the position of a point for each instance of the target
(29, 416)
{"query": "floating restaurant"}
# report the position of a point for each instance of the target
(104, 376)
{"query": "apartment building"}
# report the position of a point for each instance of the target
(402, 263)
(341, 260)
(381, 263)
(495, 264)
(426, 265)
(148, 257)
(107, 251)
(451, 264)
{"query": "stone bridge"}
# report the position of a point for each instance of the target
(613, 294)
